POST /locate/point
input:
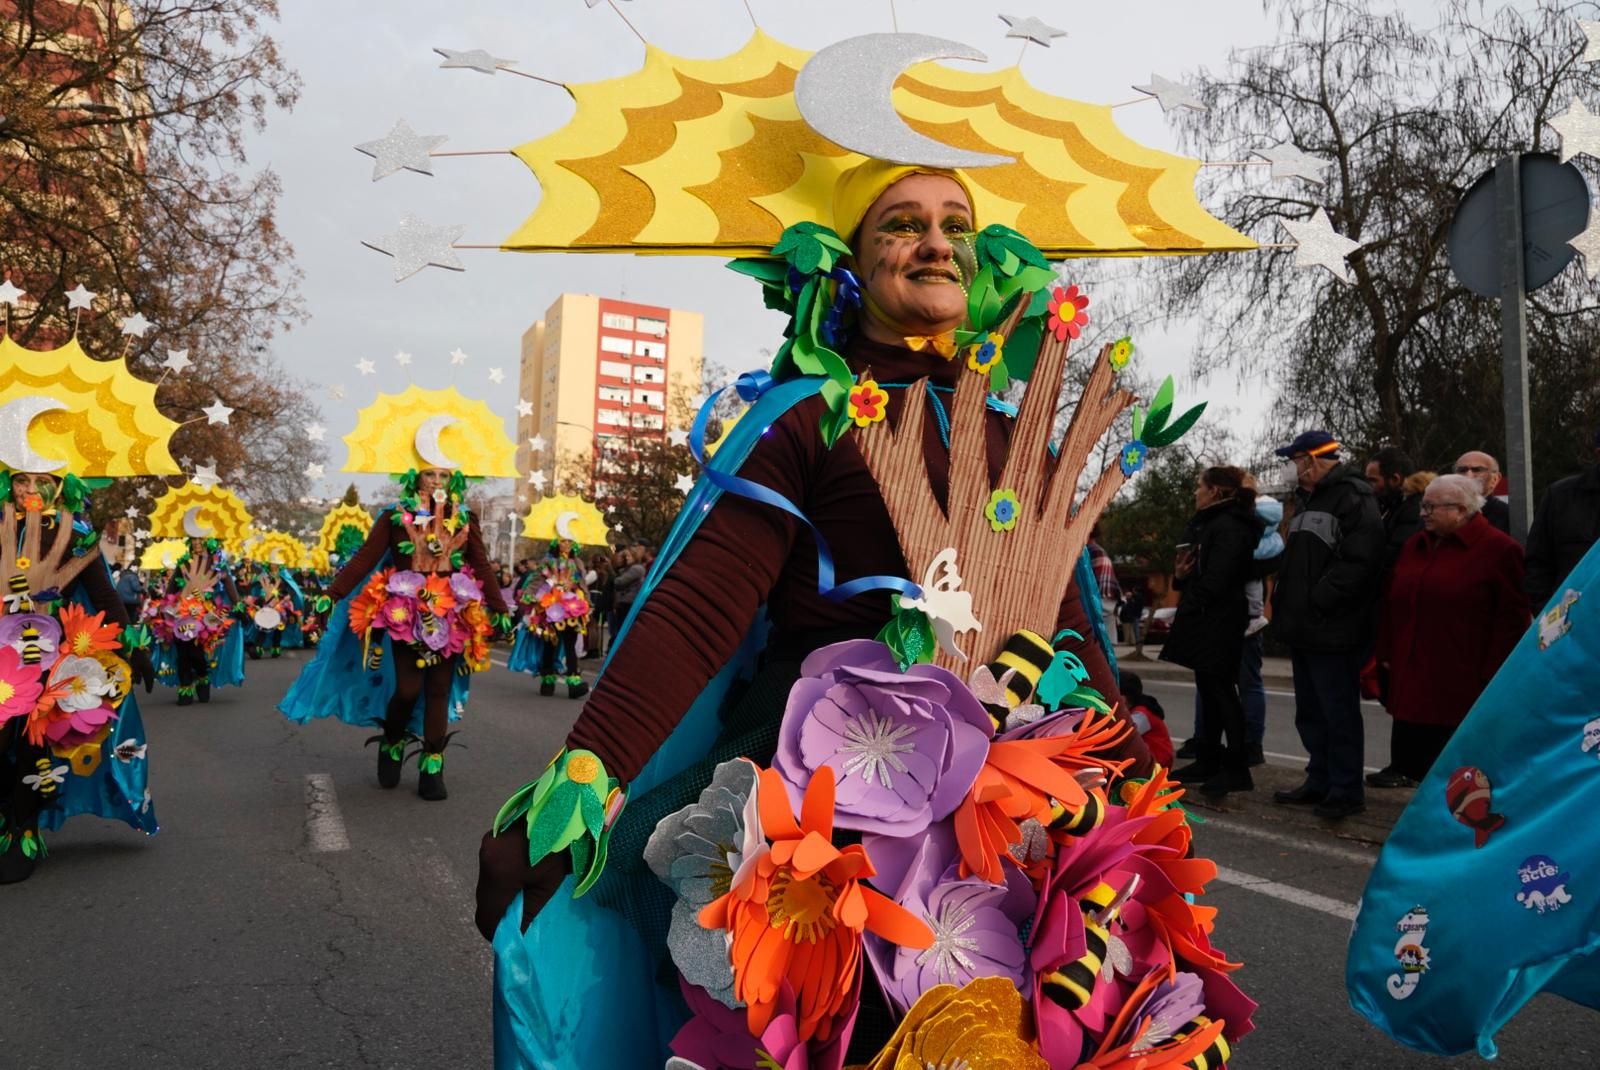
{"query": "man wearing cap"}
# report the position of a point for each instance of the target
(1565, 525)
(1322, 609)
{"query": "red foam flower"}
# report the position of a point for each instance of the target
(1067, 315)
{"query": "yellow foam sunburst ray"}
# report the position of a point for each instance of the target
(565, 516)
(220, 510)
(276, 548)
(385, 437)
(162, 554)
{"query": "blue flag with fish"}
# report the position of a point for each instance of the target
(1488, 889)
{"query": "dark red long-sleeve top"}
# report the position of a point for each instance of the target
(746, 554)
(387, 535)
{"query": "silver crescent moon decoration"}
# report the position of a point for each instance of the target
(564, 526)
(844, 93)
(427, 441)
(192, 526)
(15, 418)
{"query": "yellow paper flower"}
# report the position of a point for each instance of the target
(984, 355)
(1121, 353)
(868, 404)
(981, 1024)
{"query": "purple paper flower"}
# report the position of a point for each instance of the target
(904, 746)
(406, 583)
(465, 588)
(1170, 1006)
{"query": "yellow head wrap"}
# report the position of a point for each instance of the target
(864, 183)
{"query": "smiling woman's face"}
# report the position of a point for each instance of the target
(913, 255)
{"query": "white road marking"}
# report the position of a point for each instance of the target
(1365, 859)
(1298, 760)
(325, 829)
(1297, 896)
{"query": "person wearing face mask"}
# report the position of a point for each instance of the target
(423, 617)
(1322, 610)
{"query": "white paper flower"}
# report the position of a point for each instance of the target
(86, 683)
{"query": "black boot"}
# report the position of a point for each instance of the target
(547, 684)
(576, 688)
(430, 774)
(186, 694)
(19, 855)
(391, 757)
(1228, 780)
(202, 689)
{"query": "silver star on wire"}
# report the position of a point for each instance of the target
(366, 367)
(217, 413)
(538, 480)
(131, 512)
(205, 476)
(136, 325)
(683, 484)
(1289, 162)
(1032, 29)
(142, 493)
(678, 437)
(416, 245)
(315, 432)
(536, 443)
(497, 375)
(617, 528)
(1580, 131)
(1588, 246)
(1171, 94)
(9, 294)
(401, 149)
(524, 407)
(474, 59)
(1319, 245)
(314, 471)
(177, 360)
(79, 297)
(402, 358)
(457, 357)
(1591, 30)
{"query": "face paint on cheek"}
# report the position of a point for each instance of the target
(964, 251)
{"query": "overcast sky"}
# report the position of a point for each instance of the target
(368, 64)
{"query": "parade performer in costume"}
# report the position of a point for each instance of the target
(553, 599)
(422, 602)
(934, 683)
(275, 603)
(1484, 894)
(71, 738)
(197, 622)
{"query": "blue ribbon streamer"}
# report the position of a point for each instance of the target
(750, 386)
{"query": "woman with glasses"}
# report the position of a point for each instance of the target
(1453, 610)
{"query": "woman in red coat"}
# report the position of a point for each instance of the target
(1453, 611)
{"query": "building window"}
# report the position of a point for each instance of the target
(617, 370)
(609, 344)
(648, 325)
(648, 422)
(613, 417)
(649, 375)
(653, 398)
(614, 393)
(653, 350)
(616, 321)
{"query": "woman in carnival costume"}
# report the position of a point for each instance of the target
(202, 642)
(273, 589)
(773, 872)
(414, 609)
(71, 738)
(553, 598)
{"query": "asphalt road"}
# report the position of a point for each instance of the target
(276, 923)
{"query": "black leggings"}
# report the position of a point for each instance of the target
(569, 650)
(193, 664)
(20, 803)
(433, 683)
(1224, 716)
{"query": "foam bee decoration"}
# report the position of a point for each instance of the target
(1007, 683)
(48, 778)
(1072, 986)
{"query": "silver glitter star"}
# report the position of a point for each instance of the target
(683, 484)
(524, 407)
(79, 297)
(315, 432)
(616, 527)
(401, 149)
(314, 471)
(1032, 29)
(366, 367)
(873, 744)
(402, 358)
(457, 357)
(538, 480)
(536, 443)
(1591, 30)
(205, 476)
(335, 393)
(131, 512)
(1289, 162)
(217, 413)
(1579, 129)
(1319, 245)
(1170, 94)
(142, 493)
(136, 325)
(1588, 246)
(416, 245)
(678, 437)
(177, 360)
(497, 375)
(9, 294)
(475, 59)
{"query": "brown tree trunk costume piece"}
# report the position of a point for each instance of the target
(1017, 578)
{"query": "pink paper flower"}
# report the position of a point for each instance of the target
(20, 687)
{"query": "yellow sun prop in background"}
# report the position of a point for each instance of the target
(430, 429)
(220, 511)
(565, 516)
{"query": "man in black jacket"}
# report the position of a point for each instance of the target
(1387, 470)
(1322, 610)
(1565, 525)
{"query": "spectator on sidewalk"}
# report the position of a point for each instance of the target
(1484, 470)
(630, 577)
(1565, 525)
(1453, 610)
(1322, 610)
(1208, 628)
(1147, 716)
(1131, 615)
(1105, 573)
(130, 592)
(1387, 472)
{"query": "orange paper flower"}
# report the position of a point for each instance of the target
(85, 635)
(799, 913)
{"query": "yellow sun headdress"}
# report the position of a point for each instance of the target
(342, 531)
(276, 548)
(419, 429)
(564, 516)
(196, 512)
(163, 554)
